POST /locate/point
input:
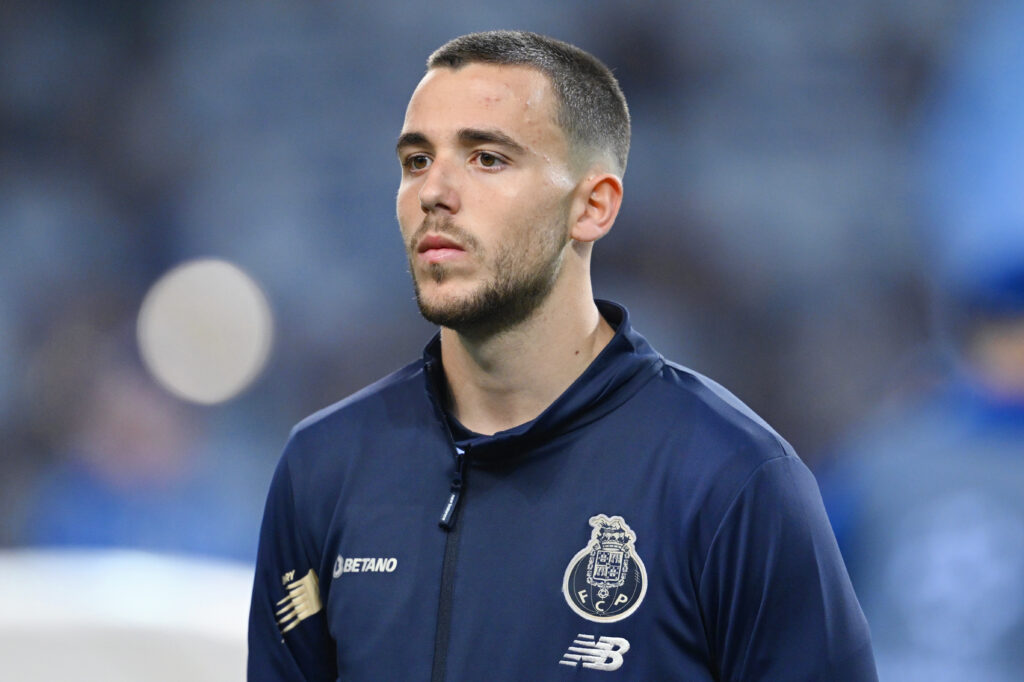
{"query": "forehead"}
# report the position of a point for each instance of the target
(519, 100)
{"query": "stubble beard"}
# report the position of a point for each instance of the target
(524, 276)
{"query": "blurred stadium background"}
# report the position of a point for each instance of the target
(784, 232)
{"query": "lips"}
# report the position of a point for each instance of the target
(435, 248)
(434, 241)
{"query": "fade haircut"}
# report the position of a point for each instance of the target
(592, 110)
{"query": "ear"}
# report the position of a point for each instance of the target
(597, 205)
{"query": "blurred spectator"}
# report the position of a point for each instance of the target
(927, 500)
(127, 468)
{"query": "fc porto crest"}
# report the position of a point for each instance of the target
(606, 580)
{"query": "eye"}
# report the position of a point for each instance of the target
(488, 160)
(417, 162)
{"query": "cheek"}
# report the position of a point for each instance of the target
(502, 199)
(407, 208)
(405, 192)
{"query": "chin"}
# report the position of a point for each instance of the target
(441, 299)
(446, 307)
(462, 311)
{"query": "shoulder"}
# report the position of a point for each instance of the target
(718, 447)
(713, 421)
(317, 444)
(403, 385)
(325, 449)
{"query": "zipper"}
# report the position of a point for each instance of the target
(448, 515)
(451, 549)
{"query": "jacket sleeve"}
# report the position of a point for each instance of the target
(288, 637)
(775, 593)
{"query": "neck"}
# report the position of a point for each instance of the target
(508, 378)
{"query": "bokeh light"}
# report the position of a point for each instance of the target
(205, 331)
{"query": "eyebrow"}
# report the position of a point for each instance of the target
(476, 136)
(467, 136)
(411, 140)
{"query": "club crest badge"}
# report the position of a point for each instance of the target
(606, 580)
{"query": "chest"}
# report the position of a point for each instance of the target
(571, 561)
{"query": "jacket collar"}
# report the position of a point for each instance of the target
(621, 368)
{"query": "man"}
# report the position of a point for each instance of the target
(541, 496)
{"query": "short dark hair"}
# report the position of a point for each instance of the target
(591, 107)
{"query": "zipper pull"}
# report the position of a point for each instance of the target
(448, 515)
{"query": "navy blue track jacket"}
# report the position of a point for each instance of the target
(646, 526)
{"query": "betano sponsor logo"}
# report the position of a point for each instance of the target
(344, 565)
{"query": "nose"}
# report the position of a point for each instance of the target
(438, 191)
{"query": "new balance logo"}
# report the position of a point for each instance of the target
(604, 654)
